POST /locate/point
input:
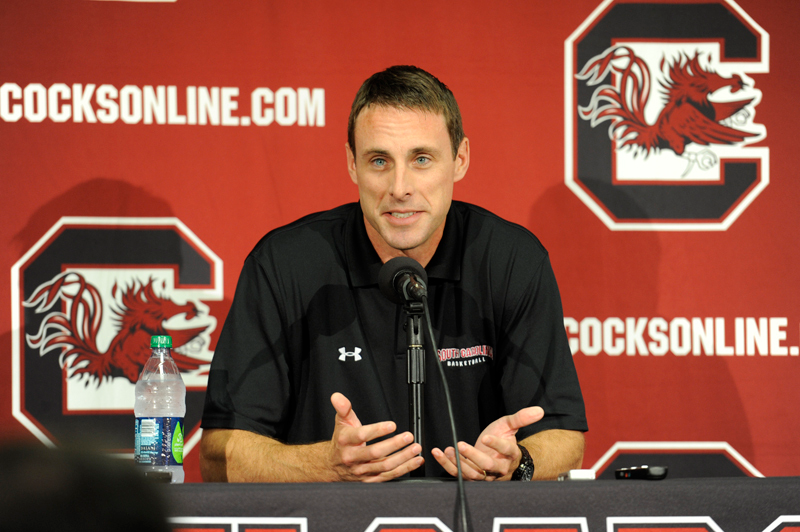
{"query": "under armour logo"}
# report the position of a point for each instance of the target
(355, 353)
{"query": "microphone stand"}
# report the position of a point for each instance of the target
(416, 373)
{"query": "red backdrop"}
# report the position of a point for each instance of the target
(512, 67)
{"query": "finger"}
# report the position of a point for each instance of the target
(388, 463)
(358, 435)
(482, 461)
(506, 447)
(344, 410)
(469, 469)
(448, 465)
(524, 417)
(405, 467)
(504, 452)
(465, 462)
(358, 453)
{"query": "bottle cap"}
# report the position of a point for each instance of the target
(161, 341)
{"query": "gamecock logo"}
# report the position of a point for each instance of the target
(87, 298)
(140, 314)
(660, 121)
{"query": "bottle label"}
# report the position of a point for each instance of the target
(159, 441)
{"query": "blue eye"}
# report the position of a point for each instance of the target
(422, 160)
(379, 162)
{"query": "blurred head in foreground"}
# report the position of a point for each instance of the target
(68, 490)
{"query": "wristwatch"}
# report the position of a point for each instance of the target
(525, 470)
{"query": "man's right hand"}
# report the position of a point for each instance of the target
(353, 459)
(228, 455)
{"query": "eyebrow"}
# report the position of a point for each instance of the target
(425, 149)
(412, 151)
(375, 151)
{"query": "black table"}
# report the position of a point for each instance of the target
(686, 505)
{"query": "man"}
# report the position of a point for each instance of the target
(309, 327)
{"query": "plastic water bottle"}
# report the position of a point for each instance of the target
(159, 409)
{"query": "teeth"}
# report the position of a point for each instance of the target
(402, 214)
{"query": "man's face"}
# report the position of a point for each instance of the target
(405, 171)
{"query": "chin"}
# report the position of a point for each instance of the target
(403, 244)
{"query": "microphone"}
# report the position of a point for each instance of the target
(402, 279)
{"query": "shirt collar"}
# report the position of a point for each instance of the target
(364, 264)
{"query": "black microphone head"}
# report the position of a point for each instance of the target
(392, 269)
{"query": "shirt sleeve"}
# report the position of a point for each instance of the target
(248, 383)
(538, 366)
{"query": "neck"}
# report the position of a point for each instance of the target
(421, 254)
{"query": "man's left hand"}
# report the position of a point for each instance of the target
(495, 455)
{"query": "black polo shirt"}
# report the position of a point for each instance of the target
(308, 320)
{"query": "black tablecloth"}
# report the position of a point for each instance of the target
(732, 504)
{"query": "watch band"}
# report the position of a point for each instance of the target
(525, 470)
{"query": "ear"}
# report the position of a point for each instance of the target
(351, 163)
(462, 160)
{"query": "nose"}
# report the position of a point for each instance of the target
(401, 185)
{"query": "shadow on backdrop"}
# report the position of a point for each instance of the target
(604, 273)
(97, 197)
(102, 197)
